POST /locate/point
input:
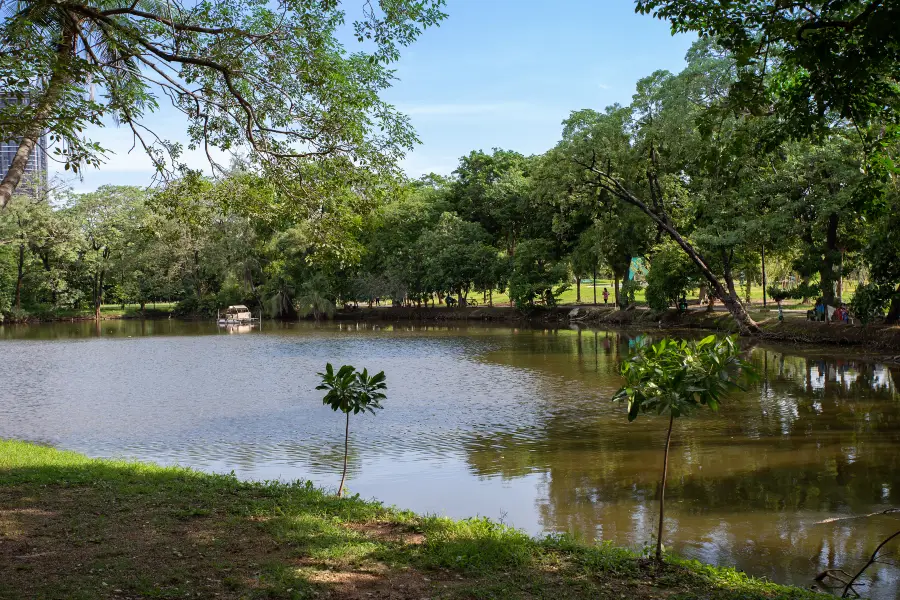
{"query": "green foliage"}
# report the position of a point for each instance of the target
(455, 255)
(269, 77)
(536, 276)
(314, 299)
(830, 59)
(671, 276)
(870, 302)
(676, 377)
(778, 294)
(627, 291)
(352, 391)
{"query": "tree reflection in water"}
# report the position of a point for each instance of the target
(774, 486)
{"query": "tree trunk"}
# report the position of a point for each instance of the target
(20, 271)
(98, 297)
(491, 298)
(578, 290)
(43, 111)
(743, 319)
(894, 311)
(732, 298)
(840, 281)
(826, 272)
(595, 285)
(764, 274)
(616, 289)
(462, 299)
(346, 452)
(662, 491)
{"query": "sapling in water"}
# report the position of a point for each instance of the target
(351, 391)
(675, 377)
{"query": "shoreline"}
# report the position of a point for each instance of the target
(793, 330)
(72, 526)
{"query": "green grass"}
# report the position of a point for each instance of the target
(74, 527)
(109, 311)
(570, 296)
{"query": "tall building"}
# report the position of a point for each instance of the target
(36, 175)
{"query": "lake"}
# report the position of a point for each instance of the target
(512, 423)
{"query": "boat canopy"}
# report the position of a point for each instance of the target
(239, 308)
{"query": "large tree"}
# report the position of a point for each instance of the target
(809, 61)
(267, 77)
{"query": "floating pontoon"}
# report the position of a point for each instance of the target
(236, 315)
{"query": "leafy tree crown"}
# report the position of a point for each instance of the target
(352, 391)
(675, 377)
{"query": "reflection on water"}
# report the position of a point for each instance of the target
(511, 423)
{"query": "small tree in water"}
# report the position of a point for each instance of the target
(350, 391)
(675, 377)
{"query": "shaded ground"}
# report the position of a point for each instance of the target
(72, 527)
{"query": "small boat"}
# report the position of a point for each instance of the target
(236, 315)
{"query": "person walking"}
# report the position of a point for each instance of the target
(605, 296)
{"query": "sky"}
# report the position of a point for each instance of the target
(495, 74)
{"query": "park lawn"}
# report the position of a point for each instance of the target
(109, 311)
(74, 527)
(570, 295)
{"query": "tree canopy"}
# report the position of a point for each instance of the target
(268, 79)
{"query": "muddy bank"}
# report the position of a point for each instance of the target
(795, 328)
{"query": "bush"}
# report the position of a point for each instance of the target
(777, 294)
(671, 276)
(870, 302)
(192, 306)
(534, 276)
(627, 291)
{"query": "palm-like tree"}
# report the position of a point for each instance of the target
(314, 299)
(351, 391)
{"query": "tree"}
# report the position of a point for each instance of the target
(645, 156)
(536, 274)
(671, 276)
(314, 298)
(490, 189)
(808, 63)
(675, 378)
(454, 255)
(882, 255)
(351, 391)
(108, 217)
(267, 77)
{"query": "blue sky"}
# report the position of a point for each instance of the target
(496, 73)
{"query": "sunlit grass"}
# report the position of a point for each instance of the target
(86, 528)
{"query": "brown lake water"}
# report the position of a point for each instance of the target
(510, 423)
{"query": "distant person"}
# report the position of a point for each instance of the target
(820, 310)
(605, 296)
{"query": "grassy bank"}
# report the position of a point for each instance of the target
(74, 527)
(158, 310)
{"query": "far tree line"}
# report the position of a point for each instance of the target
(702, 194)
(775, 147)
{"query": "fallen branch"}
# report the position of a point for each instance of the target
(849, 585)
